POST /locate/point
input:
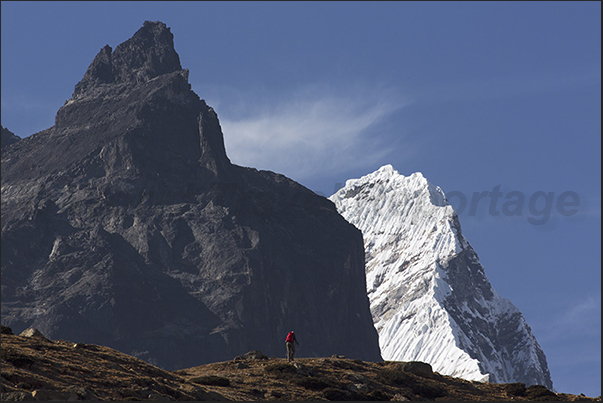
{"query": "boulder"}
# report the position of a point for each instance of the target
(417, 368)
(7, 330)
(33, 333)
(251, 355)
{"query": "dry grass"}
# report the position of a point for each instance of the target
(56, 369)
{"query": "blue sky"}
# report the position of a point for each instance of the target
(479, 97)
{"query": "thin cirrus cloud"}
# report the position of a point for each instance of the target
(309, 132)
(584, 317)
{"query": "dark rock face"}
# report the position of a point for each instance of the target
(8, 137)
(148, 54)
(125, 224)
(506, 339)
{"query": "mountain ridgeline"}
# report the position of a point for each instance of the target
(125, 224)
(430, 298)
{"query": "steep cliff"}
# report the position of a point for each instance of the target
(430, 298)
(125, 224)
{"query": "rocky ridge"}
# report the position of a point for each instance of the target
(125, 224)
(35, 368)
(8, 137)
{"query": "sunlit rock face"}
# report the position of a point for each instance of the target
(430, 298)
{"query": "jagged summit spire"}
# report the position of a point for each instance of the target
(148, 54)
(131, 194)
(429, 295)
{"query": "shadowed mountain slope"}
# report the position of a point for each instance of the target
(125, 224)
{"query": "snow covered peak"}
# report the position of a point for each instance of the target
(430, 298)
(383, 174)
(391, 179)
(393, 209)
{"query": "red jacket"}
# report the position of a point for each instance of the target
(290, 337)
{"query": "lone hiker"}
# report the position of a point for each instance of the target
(289, 341)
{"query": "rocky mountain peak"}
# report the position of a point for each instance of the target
(125, 224)
(134, 116)
(148, 54)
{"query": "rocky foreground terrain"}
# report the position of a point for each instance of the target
(35, 368)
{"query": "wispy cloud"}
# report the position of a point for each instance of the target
(310, 131)
(583, 318)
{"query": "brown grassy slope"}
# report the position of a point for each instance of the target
(44, 369)
(62, 370)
